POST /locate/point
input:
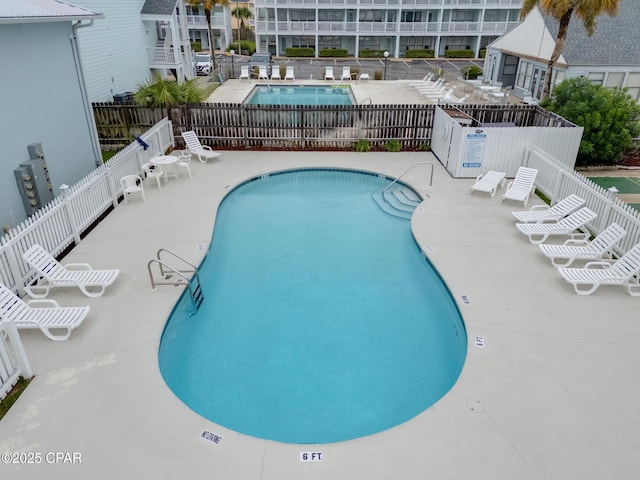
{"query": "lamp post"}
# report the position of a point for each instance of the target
(386, 56)
(233, 73)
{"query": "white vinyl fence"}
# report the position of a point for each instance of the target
(556, 182)
(63, 221)
(13, 359)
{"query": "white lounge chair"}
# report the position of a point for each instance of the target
(623, 271)
(522, 186)
(346, 73)
(275, 73)
(244, 72)
(489, 182)
(204, 152)
(50, 316)
(52, 273)
(262, 72)
(545, 213)
(539, 232)
(364, 76)
(328, 73)
(289, 74)
(132, 184)
(581, 249)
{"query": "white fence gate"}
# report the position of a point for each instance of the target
(13, 359)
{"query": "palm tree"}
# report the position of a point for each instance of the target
(562, 11)
(241, 14)
(208, 6)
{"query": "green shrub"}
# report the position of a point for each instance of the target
(393, 146)
(371, 53)
(482, 53)
(424, 147)
(471, 72)
(245, 47)
(377, 74)
(333, 52)
(458, 54)
(196, 46)
(421, 53)
(300, 52)
(362, 146)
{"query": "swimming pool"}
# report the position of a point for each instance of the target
(301, 95)
(322, 320)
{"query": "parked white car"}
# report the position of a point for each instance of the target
(203, 63)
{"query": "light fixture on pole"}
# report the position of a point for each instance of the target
(233, 73)
(386, 56)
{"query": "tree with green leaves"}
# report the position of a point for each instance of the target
(563, 11)
(166, 93)
(610, 118)
(241, 14)
(209, 5)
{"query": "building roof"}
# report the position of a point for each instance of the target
(159, 7)
(614, 42)
(32, 11)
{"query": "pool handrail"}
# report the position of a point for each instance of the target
(194, 293)
(407, 171)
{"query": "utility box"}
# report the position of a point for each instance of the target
(33, 180)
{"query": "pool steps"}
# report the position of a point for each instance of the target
(399, 202)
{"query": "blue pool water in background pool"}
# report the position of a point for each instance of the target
(301, 95)
(322, 320)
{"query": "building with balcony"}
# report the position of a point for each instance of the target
(392, 25)
(220, 26)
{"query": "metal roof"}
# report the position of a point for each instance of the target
(614, 42)
(32, 11)
(159, 7)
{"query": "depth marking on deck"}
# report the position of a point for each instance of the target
(311, 457)
(465, 299)
(480, 342)
(211, 437)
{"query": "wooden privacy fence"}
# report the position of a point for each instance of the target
(233, 125)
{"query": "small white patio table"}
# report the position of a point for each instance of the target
(168, 164)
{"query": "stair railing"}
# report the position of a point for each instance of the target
(407, 171)
(167, 271)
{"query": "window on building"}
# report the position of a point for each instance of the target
(329, 42)
(462, 15)
(302, 41)
(495, 15)
(412, 16)
(370, 43)
(615, 80)
(633, 85)
(458, 43)
(510, 65)
(303, 15)
(331, 15)
(416, 43)
(372, 15)
(597, 78)
(524, 75)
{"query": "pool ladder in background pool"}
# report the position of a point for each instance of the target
(401, 201)
(188, 277)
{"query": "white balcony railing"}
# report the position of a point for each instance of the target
(162, 56)
(200, 21)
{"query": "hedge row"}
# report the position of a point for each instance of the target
(458, 54)
(333, 52)
(300, 52)
(421, 53)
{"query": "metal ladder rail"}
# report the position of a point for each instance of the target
(365, 99)
(404, 173)
(166, 270)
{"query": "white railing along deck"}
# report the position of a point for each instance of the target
(62, 221)
(13, 358)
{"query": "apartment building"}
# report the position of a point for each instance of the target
(392, 25)
(220, 25)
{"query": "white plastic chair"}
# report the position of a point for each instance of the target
(328, 73)
(275, 73)
(132, 184)
(289, 74)
(52, 274)
(623, 271)
(184, 159)
(244, 72)
(154, 172)
(262, 72)
(522, 186)
(581, 249)
(346, 73)
(47, 317)
(204, 152)
(489, 182)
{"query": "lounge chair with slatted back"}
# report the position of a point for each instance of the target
(52, 274)
(50, 317)
(623, 271)
(204, 152)
(522, 186)
(583, 249)
(539, 232)
(545, 213)
(488, 182)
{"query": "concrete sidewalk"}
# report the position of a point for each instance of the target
(551, 394)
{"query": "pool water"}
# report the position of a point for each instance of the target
(301, 95)
(322, 320)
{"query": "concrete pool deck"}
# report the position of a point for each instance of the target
(552, 393)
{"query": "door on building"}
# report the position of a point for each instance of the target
(537, 81)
